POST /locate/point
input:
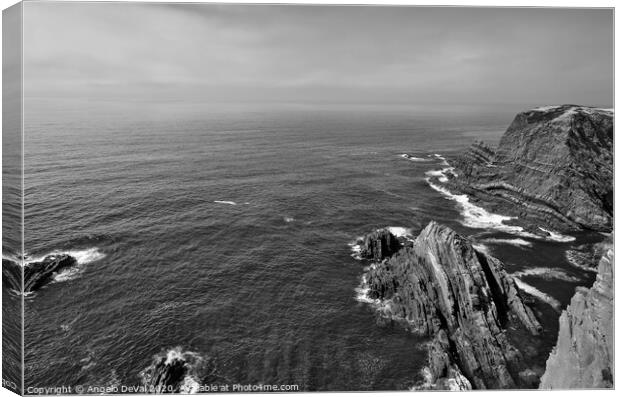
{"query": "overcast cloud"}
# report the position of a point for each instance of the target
(244, 53)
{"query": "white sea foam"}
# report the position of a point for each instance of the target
(482, 248)
(356, 249)
(560, 238)
(414, 159)
(86, 256)
(519, 242)
(442, 158)
(546, 273)
(535, 292)
(478, 218)
(361, 292)
(400, 231)
(225, 202)
(82, 257)
(192, 361)
(439, 174)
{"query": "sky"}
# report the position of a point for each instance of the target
(318, 54)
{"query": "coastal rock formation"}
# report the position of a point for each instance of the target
(11, 275)
(583, 355)
(442, 287)
(555, 163)
(167, 375)
(36, 274)
(179, 371)
(378, 245)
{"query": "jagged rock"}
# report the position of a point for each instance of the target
(583, 355)
(443, 287)
(35, 274)
(11, 275)
(180, 371)
(587, 256)
(379, 245)
(555, 163)
(38, 274)
(167, 375)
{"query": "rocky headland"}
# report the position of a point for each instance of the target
(464, 300)
(583, 355)
(553, 168)
(552, 171)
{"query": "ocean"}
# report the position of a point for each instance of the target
(229, 234)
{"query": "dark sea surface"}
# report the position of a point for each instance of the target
(227, 232)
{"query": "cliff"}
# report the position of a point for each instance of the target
(583, 355)
(555, 163)
(442, 287)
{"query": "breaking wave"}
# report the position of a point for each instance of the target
(195, 369)
(535, 292)
(547, 274)
(519, 242)
(415, 159)
(225, 202)
(82, 257)
(478, 218)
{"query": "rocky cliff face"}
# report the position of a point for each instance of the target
(555, 163)
(442, 287)
(379, 245)
(583, 356)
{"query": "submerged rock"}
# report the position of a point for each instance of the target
(555, 163)
(38, 274)
(35, 274)
(583, 355)
(464, 299)
(379, 245)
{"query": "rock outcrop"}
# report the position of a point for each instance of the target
(35, 274)
(167, 375)
(555, 163)
(378, 245)
(179, 371)
(442, 287)
(583, 355)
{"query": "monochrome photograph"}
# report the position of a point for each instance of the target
(273, 198)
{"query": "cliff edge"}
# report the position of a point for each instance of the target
(583, 355)
(554, 162)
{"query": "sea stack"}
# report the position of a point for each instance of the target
(583, 355)
(379, 245)
(442, 287)
(555, 163)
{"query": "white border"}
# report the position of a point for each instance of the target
(480, 3)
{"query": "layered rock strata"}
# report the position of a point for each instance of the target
(583, 355)
(553, 167)
(378, 245)
(442, 287)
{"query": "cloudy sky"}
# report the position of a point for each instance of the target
(260, 53)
